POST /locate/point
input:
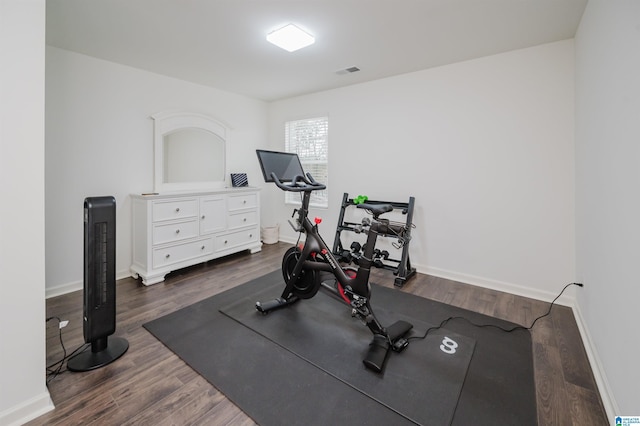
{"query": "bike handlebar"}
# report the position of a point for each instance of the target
(299, 183)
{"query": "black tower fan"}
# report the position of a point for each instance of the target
(99, 287)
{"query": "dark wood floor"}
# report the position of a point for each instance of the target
(151, 385)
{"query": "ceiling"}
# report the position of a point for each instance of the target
(221, 43)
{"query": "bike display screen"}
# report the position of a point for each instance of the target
(285, 165)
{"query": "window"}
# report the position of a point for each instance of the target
(309, 139)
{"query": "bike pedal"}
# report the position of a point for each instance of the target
(400, 344)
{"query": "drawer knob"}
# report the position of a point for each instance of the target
(177, 231)
(168, 256)
(202, 216)
(177, 209)
(202, 248)
(244, 220)
(225, 241)
(250, 235)
(244, 201)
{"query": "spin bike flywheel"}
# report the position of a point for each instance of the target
(307, 284)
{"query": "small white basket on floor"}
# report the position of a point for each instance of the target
(270, 234)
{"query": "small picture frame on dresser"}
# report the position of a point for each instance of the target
(239, 179)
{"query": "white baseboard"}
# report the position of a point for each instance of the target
(27, 411)
(62, 289)
(76, 285)
(518, 290)
(288, 240)
(608, 400)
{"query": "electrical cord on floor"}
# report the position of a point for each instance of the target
(506, 330)
(55, 369)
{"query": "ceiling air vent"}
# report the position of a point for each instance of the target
(348, 70)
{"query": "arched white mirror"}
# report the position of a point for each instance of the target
(189, 152)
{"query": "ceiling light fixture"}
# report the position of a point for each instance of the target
(290, 38)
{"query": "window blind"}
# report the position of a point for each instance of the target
(309, 139)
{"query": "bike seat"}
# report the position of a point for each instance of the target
(376, 209)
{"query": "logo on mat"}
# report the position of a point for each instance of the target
(448, 346)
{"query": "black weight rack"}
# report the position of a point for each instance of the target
(401, 267)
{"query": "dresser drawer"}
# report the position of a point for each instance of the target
(235, 239)
(175, 231)
(174, 209)
(240, 220)
(244, 201)
(180, 252)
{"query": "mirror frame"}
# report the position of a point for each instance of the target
(170, 122)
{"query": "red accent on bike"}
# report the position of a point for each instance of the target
(318, 220)
(344, 296)
(324, 251)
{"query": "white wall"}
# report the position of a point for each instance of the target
(485, 147)
(607, 203)
(99, 141)
(23, 394)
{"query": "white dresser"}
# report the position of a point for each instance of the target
(172, 231)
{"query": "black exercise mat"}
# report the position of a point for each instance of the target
(322, 332)
(274, 386)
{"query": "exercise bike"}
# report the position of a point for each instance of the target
(305, 269)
